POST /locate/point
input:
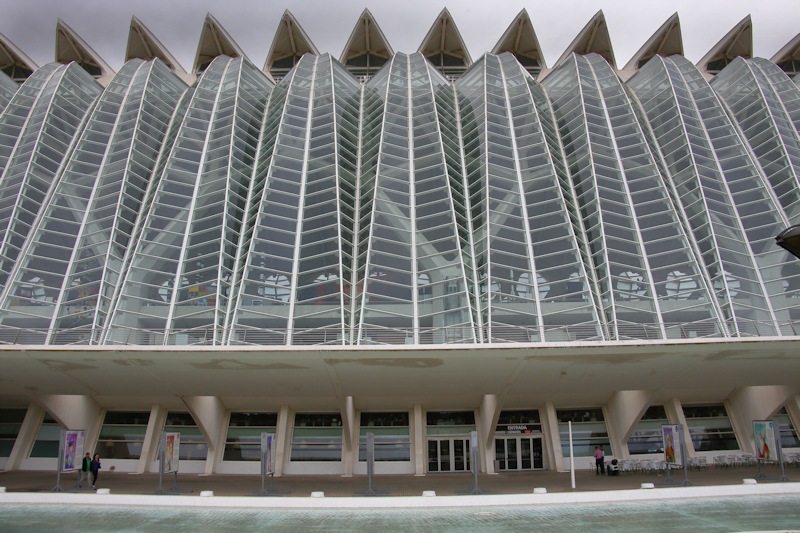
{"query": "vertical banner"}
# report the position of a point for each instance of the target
(73, 450)
(672, 444)
(764, 434)
(266, 452)
(172, 447)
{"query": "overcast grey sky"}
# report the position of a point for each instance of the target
(104, 24)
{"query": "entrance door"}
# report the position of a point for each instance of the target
(519, 452)
(449, 454)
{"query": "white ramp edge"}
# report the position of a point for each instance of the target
(608, 496)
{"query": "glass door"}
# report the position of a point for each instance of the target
(449, 454)
(522, 452)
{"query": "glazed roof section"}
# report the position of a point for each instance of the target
(367, 48)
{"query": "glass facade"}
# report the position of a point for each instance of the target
(710, 428)
(647, 436)
(588, 431)
(402, 209)
(243, 442)
(122, 434)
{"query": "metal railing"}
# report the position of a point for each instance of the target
(373, 335)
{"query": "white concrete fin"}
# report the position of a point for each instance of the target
(593, 38)
(14, 62)
(788, 57)
(288, 46)
(737, 43)
(666, 41)
(142, 44)
(366, 42)
(444, 39)
(214, 42)
(71, 47)
(520, 39)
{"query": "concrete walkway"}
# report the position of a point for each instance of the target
(449, 489)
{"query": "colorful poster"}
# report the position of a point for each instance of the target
(73, 450)
(172, 445)
(672, 444)
(764, 433)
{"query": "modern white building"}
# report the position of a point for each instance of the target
(414, 245)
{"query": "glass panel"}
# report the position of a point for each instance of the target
(122, 434)
(10, 424)
(244, 435)
(317, 437)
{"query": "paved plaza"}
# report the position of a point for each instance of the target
(387, 485)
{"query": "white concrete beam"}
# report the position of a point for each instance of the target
(625, 409)
(552, 439)
(209, 414)
(282, 444)
(26, 436)
(350, 438)
(418, 436)
(755, 403)
(489, 414)
(74, 413)
(152, 438)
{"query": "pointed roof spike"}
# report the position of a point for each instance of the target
(71, 47)
(593, 38)
(367, 49)
(520, 39)
(737, 43)
(142, 44)
(14, 62)
(788, 57)
(288, 46)
(666, 41)
(444, 47)
(214, 41)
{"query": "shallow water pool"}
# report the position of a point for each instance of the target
(750, 513)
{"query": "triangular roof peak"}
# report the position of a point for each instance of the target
(289, 45)
(788, 57)
(14, 62)
(367, 49)
(593, 38)
(214, 42)
(71, 47)
(520, 40)
(666, 41)
(142, 44)
(737, 43)
(444, 47)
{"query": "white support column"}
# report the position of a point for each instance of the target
(755, 403)
(489, 414)
(625, 409)
(418, 440)
(152, 438)
(552, 439)
(26, 436)
(209, 414)
(75, 412)
(674, 410)
(283, 436)
(349, 437)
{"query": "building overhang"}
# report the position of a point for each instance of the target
(392, 377)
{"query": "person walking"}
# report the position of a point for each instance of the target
(599, 460)
(95, 469)
(86, 463)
